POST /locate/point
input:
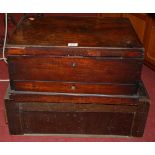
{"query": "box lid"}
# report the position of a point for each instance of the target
(75, 32)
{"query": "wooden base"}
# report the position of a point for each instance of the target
(109, 117)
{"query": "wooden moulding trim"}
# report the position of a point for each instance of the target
(135, 96)
(72, 107)
(9, 46)
(76, 52)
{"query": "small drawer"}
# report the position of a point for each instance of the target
(74, 87)
(75, 69)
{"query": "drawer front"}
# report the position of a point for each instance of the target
(77, 69)
(72, 87)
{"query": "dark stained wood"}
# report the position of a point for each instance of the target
(49, 97)
(91, 88)
(86, 31)
(71, 107)
(74, 87)
(139, 22)
(77, 123)
(29, 97)
(142, 112)
(140, 119)
(108, 51)
(105, 15)
(73, 51)
(70, 69)
(79, 118)
(13, 117)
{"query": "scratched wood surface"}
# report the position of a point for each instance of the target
(86, 31)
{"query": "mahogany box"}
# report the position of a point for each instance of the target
(76, 75)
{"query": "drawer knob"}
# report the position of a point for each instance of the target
(74, 64)
(73, 87)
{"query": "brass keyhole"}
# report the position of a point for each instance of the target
(73, 87)
(74, 64)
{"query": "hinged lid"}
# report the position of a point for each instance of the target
(76, 32)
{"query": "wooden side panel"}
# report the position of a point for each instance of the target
(70, 119)
(140, 119)
(77, 123)
(141, 113)
(75, 69)
(139, 22)
(13, 117)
